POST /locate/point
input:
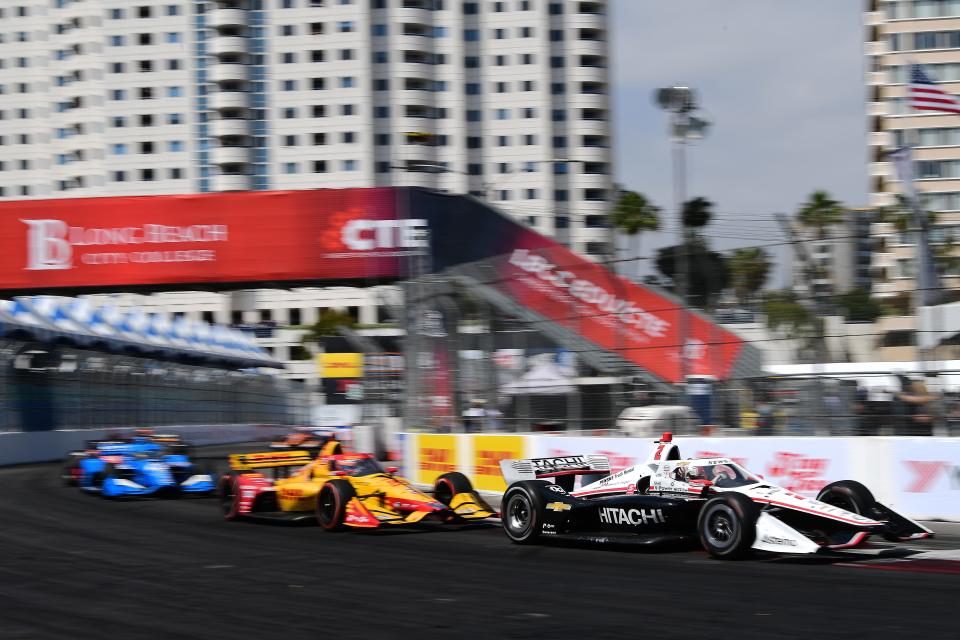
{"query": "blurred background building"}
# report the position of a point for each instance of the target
(507, 101)
(897, 33)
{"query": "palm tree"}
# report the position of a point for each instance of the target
(634, 214)
(749, 267)
(820, 211)
(697, 212)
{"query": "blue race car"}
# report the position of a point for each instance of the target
(142, 465)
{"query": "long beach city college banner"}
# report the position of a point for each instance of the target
(227, 237)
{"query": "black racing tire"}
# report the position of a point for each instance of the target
(849, 495)
(67, 469)
(522, 511)
(727, 525)
(228, 496)
(853, 497)
(450, 484)
(331, 507)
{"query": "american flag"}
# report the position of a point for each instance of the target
(926, 96)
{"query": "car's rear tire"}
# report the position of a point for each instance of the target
(727, 525)
(228, 495)
(522, 510)
(332, 500)
(69, 470)
(450, 484)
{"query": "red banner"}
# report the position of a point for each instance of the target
(616, 314)
(230, 237)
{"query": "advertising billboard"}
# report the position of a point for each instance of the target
(205, 238)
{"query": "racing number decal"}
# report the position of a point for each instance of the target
(656, 456)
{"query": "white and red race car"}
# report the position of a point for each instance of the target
(730, 510)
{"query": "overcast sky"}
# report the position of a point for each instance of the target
(782, 82)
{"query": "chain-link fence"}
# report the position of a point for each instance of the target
(46, 387)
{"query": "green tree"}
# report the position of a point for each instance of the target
(327, 324)
(707, 273)
(858, 306)
(784, 312)
(749, 269)
(820, 211)
(633, 214)
(697, 213)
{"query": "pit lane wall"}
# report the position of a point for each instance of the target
(919, 477)
(17, 447)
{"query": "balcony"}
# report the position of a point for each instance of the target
(236, 127)
(230, 183)
(230, 155)
(226, 18)
(228, 44)
(228, 73)
(228, 100)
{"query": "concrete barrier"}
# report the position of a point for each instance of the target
(918, 476)
(45, 446)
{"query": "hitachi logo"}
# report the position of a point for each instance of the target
(613, 515)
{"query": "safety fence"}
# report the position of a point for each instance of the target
(49, 387)
(917, 476)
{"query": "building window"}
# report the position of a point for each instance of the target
(346, 54)
(173, 38)
(471, 62)
(118, 176)
(348, 137)
(288, 85)
(347, 110)
(290, 167)
(288, 30)
(318, 111)
(319, 166)
(380, 30)
(345, 26)
(349, 165)
(346, 82)
(556, 35)
(317, 55)
(319, 138)
(381, 57)
(381, 112)
(502, 114)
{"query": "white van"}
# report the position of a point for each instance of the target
(645, 422)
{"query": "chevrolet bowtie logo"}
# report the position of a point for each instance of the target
(558, 506)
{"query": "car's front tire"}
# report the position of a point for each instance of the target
(727, 525)
(228, 495)
(522, 510)
(450, 484)
(849, 495)
(331, 508)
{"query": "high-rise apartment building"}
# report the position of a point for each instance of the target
(506, 100)
(898, 33)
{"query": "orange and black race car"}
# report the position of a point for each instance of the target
(341, 490)
(306, 438)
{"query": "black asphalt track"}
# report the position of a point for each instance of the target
(76, 566)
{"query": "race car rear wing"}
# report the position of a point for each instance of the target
(269, 460)
(537, 468)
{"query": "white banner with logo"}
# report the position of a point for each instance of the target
(925, 476)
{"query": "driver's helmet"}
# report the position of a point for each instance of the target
(696, 473)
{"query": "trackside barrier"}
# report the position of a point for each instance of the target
(919, 477)
(43, 446)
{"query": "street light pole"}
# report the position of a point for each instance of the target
(681, 102)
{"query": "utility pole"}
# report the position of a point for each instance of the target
(681, 102)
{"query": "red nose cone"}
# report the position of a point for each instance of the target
(666, 437)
